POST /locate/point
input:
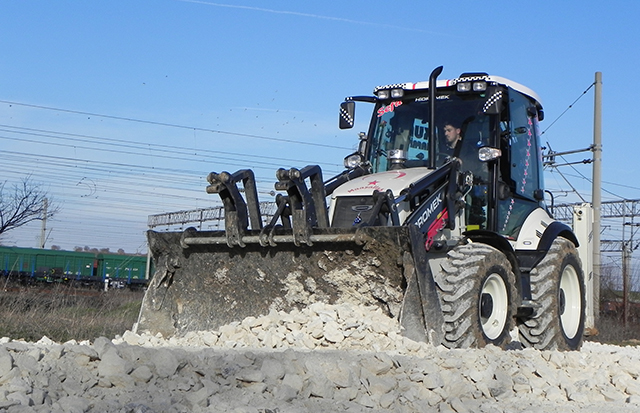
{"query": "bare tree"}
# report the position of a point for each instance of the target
(23, 203)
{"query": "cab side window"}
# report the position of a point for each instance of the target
(525, 151)
(523, 171)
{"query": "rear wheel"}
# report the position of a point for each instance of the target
(477, 291)
(557, 288)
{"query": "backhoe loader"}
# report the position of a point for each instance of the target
(439, 219)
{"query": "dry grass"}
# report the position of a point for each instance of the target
(612, 330)
(62, 313)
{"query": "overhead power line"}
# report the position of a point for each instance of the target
(567, 109)
(128, 143)
(174, 125)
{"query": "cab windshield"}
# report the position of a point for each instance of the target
(461, 127)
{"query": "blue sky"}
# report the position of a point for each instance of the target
(120, 109)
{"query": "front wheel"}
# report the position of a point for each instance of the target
(477, 292)
(557, 287)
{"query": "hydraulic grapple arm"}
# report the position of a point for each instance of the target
(237, 212)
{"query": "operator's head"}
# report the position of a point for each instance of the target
(451, 133)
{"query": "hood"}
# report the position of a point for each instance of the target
(395, 180)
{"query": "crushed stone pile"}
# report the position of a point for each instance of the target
(325, 358)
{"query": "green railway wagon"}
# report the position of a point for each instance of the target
(36, 265)
(122, 269)
(47, 265)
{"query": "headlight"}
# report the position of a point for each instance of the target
(383, 94)
(487, 153)
(463, 87)
(397, 93)
(475, 86)
(353, 161)
(479, 86)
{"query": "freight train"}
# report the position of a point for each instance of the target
(31, 265)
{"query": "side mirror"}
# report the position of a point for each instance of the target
(532, 112)
(347, 114)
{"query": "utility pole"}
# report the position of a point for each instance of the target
(43, 231)
(625, 272)
(627, 250)
(626, 258)
(596, 194)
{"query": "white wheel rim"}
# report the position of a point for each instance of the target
(572, 312)
(493, 324)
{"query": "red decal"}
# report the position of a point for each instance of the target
(436, 226)
(370, 187)
(389, 108)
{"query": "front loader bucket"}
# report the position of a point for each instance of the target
(206, 279)
(200, 283)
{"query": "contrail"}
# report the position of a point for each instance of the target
(314, 16)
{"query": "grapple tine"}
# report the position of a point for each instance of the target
(238, 213)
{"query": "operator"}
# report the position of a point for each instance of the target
(452, 137)
(476, 199)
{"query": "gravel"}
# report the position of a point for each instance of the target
(325, 358)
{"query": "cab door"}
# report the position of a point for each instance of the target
(521, 168)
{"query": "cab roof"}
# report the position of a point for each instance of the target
(465, 78)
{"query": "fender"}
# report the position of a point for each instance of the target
(498, 242)
(528, 259)
(554, 230)
(525, 260)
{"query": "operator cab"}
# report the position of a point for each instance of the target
(400, 130)
(489, 123)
